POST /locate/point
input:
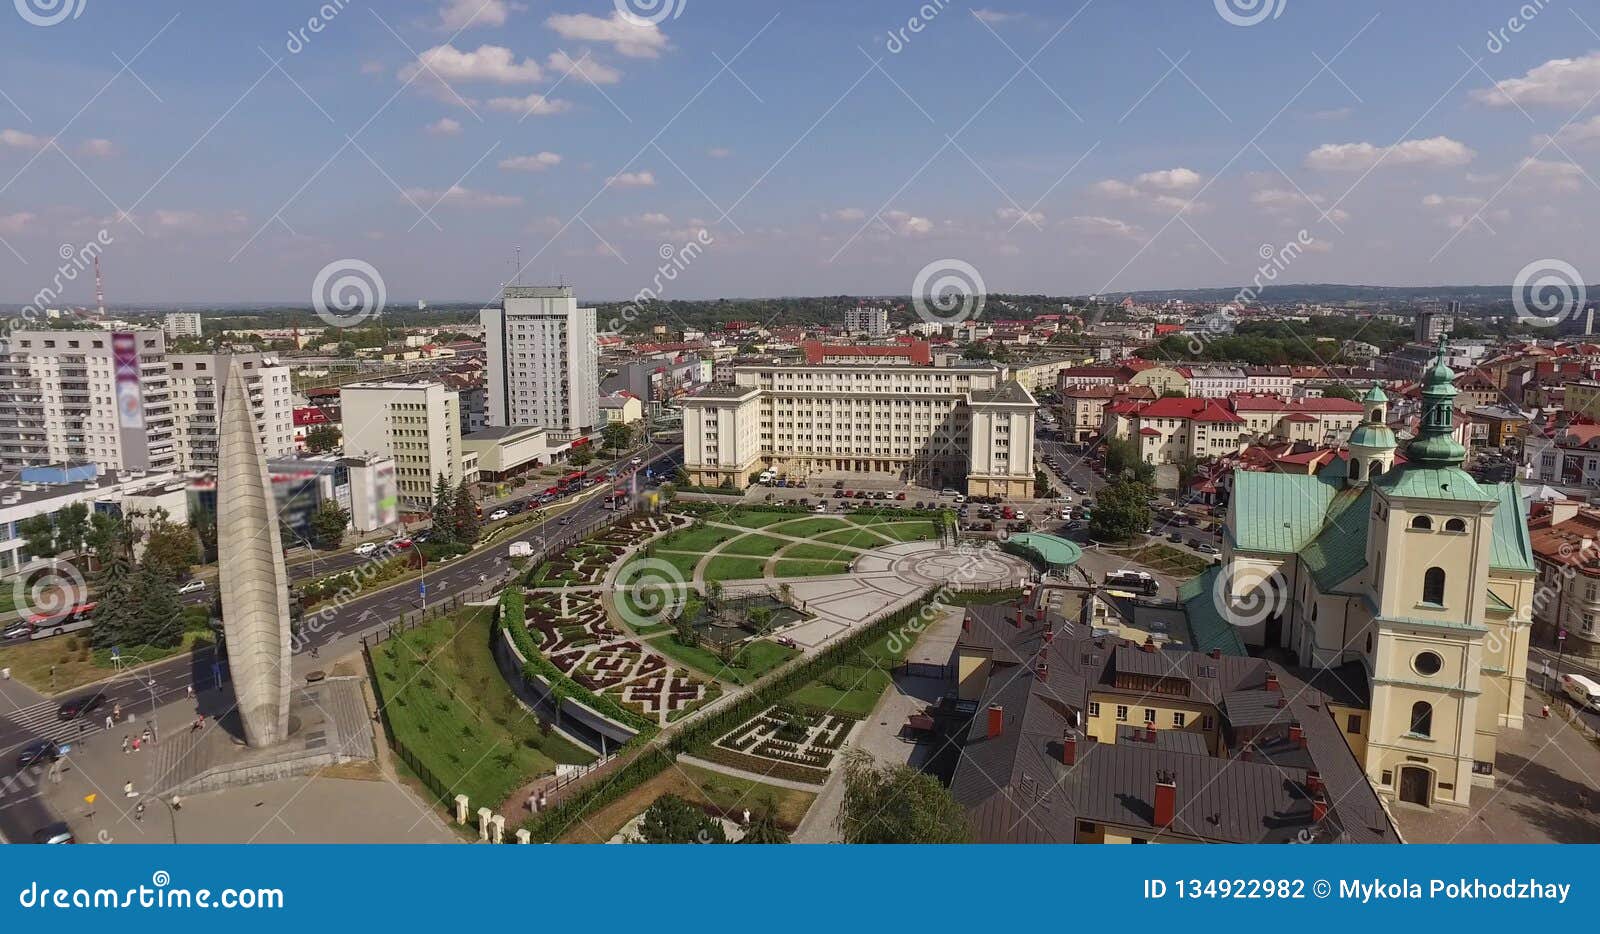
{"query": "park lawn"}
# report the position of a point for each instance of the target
(631, 604)
(806, 528)
(790, 568)
(698, 786)
(754, 659)
(1164, 559)
(446, 702)
(735, 569)
(701, 540)
(683, 563)
(854, 538)
(757, 518)
(820, 553)
(852, 687)
(919, 531)
(76, 664)
(759, 546)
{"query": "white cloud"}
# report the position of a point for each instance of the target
(719, 152)
(458, 196)
(652, 219)
(908, 225)
(534, 105)
(16, 139)
(846, 214)
(488, 63)
(1179, 179)
(1581, 133)
(98, 148)
(1280, 202)
(14, 224)
(444, 127)
(628, 35)
(583, 67)
(1332, 113)
(462, 14)
(1017, 215)
(1553, 175)
(632, 180)
(1560, 82)
(1096, 225)
(995, 16)
(1150, 200)
(1450, 201)
(537, 162)
(166, 221)
(1356, 157)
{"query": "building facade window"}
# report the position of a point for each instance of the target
(1421, 522)
(1433, 586)
(1422, 719)
(1122, 713)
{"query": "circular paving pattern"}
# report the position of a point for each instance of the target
(946, 566)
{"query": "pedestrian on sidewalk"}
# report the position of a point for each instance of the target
(127, 789)
(145, 736)
(136, 744)
(177, 803)
(138, 811)
(124, 744)
(189, 692)
(109, 722)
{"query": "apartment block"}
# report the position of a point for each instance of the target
(873, 322)
(182, 324)
(100, 397)
(197, 381)
(543, 361)
(417, 424)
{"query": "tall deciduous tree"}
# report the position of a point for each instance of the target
(1121, 511)
(328, 524)
(170, 548)
(322, 438)
(897, 804)
(617, 435)
(670, 819)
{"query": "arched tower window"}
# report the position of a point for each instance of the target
(1421, 522)
(1455, 525)
(1433, 586)
(1355, 469)
(1422, 718)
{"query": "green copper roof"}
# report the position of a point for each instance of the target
(1376, 394)
(1444, 483)
(1336, 554)
(1512, 549)
(1208, 628)
(1372, 436)
(1280, 512)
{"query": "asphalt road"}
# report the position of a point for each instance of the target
(340, 626)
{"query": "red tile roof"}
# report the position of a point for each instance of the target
(1199, 410)
(917, 352)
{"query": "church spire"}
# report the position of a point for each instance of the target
(1435, 444)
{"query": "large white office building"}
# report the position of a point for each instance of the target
(180, 324)
(543, 361)
(197, 381)
(968, 426)
(873, 322)
(418, 424)
(79, 396)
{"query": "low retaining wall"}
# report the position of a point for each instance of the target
(573, 717)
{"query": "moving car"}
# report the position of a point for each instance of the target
(499, 514)
(366, 548)
(57, 832)
(16, 631)
(194, 586)
(80, 706)
(38, 752)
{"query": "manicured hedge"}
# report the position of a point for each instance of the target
(513, 618)
(547, 826)
(768, 768)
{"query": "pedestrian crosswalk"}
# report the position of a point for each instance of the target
(39, 721)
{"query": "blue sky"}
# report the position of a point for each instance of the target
(825, 147)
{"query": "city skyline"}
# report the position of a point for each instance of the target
(1064, 150)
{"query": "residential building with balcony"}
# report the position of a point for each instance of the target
(417, 424)
(197, 381)
(543, 361)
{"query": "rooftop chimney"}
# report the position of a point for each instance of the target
(1215, 653)
(1272, 681)
(1314, 784)
(1166, 799)
(1069, 748)
(966, 623)
(1019, 617)
(1149, 734)
(997, 720)
(1319, 809)
(1043, 670)
(1296, 734)
(1149, 646)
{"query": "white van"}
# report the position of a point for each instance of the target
(766, 478)
(1583, 691)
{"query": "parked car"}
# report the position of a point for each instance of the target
(821, 507)
(57, 832)
(38, 752)
(1175, 538)
(900, 495)
(1205, 548)
(838, 494)
(838, 484)
(81, 706)
(194, 586)
(499, 514)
